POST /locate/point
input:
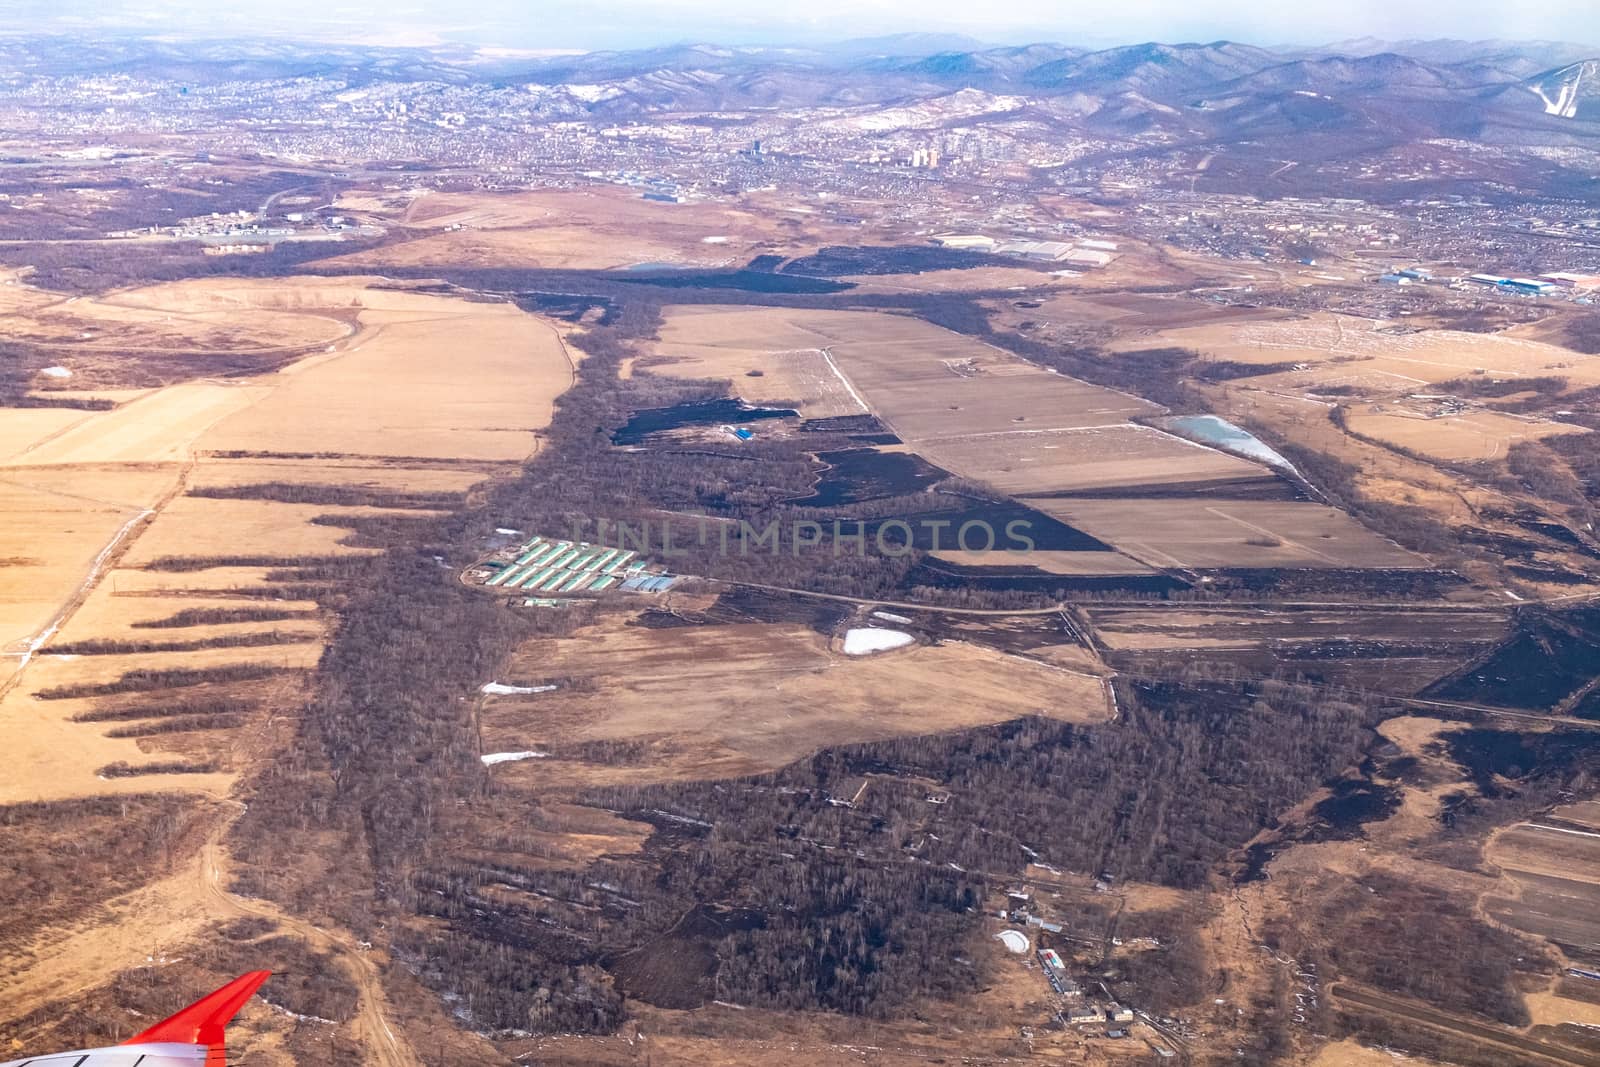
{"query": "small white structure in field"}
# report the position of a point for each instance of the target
(1014, 940)
(866, 640)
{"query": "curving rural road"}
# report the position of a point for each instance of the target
(371, 1024)
(159, 918)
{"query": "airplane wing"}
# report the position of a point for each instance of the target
(194, 1037)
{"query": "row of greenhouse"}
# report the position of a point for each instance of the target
(566, 567)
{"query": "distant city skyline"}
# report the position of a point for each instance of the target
(609, 24)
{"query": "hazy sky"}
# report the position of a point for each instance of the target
(629, 23)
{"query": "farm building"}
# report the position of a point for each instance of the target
(970, 242)
(560, 567)
(1045, 251)
(649, 583)
(1087, 257)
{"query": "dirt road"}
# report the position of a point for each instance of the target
(1460, 1026)
(160, 918)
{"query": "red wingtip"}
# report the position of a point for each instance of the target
(205, 1021)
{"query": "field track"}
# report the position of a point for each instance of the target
(1483, 1033)
(164, 914)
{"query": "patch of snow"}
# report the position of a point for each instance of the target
(887, 616)
(965, 103)
(297, 1016)
(505, 531)
(500, 690)
(490, 759)
(866, 640)
(1573, 85)
(1014, 940)
(593, 94)
(56, 372)
(679, 818)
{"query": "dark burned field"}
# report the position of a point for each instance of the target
(842, 261)
(643, 423)
(1550, 659)
(855, 475)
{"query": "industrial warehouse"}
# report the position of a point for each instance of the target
(555, 566)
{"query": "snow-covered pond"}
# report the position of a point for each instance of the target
(499, 689)
(1214, 430)
(491, 758)
(866, 640)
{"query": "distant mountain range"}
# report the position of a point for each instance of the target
(1517, 92)
(1539, 92)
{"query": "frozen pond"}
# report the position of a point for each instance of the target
(1214, 430)
(490, 759)
(499, 689)
(869, 639)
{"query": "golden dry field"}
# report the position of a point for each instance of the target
(1137, 320)
(118, 523)
(1231, 533)
(1081, 564)
(1095, 457)
(800, 378)
(590, 229)
(923, 381)
(1340, 350)
(1470, 436)
(729, 700)
(986, 414)
(163, 318)
(1553, 867)
(1142, 629)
